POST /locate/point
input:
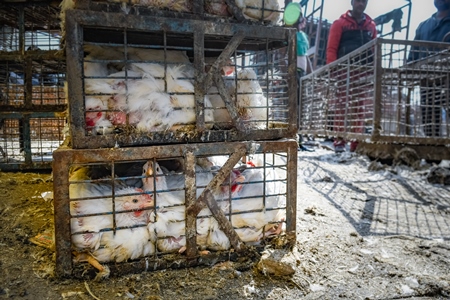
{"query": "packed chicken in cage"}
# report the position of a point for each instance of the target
(129, 210)
(154, 91)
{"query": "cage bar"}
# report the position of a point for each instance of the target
(196, 190)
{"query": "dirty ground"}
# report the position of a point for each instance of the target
(378, 234)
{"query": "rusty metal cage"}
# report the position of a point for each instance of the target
(136, 80)
(28, 26)
(268, 12)
(388, 90)
(28, 140)
(32, 75)
(225, 197)
(32, 82)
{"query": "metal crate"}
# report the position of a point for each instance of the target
(267, 12)
(177, 63)
(386, 91)
(29, 25)
(230, 185)
(32, 82)
(28, 140)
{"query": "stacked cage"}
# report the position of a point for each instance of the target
(388, 91)
(182, 153)
(32, 74)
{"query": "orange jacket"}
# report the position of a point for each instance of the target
(347, 35)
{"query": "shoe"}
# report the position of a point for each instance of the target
(303, 148)
(339, 145)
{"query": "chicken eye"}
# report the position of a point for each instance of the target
(135, 200)
(158, 169)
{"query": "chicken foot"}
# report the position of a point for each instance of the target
(86, 257)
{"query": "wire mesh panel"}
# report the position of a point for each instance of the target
(176, 200)
(28, 142)
(29, 26)
(27, 82)
(138, 80)
(388, 90)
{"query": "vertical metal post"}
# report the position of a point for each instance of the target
(21, 20)
(28, 81)
(190, 199)
(399, 108)
(292, 81)
(291, 201)
(61, 202)
(377, 90)
(74, 55)
(199, 63)
(347, 95)
(25, 137)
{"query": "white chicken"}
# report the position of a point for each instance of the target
(177, 107)
(131, 239)
(258, 205)
(169, 223)
(96, 108)
(261, 10)
(93, 219)
(221, 115)
(209, 234)
(251, 102)
(168, 227)
(248, 97)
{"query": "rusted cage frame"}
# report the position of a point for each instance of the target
(27, 58)
(65, 157)
(198, 11)
(27, 110)
(25, 135)
(42, 9)
(76, 19)
(379, 72)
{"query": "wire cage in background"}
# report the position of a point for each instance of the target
(202, 81)
(32, 75)
(389, 25)
(29, 26)
(223, 197)
(388, 90)
(33, 81)
(28, 140)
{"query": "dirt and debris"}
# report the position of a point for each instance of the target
(382, 233)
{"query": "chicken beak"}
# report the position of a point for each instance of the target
(149, 171)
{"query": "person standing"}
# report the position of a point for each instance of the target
(352, 30)
(432, 98)
(303, 62)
